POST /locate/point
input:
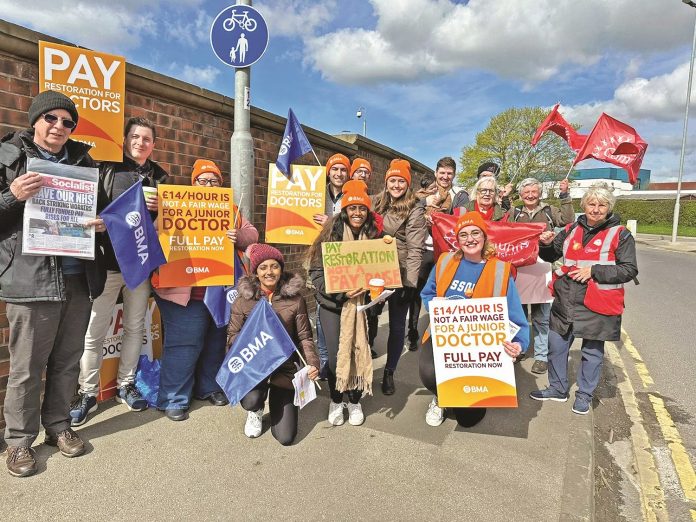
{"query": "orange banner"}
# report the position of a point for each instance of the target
(96, 82)
(293, 202)
(192, 223)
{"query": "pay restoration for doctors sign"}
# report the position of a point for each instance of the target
(471, 366)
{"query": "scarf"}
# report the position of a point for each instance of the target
(354, 360)
(486, 214)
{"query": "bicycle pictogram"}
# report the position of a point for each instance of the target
(241, 20)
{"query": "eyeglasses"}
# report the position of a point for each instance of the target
(52, 119)
(211, 182)
(486, 191)
(474, 234)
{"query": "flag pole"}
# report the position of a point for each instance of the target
(318, 163)
(523, 160)
(569, 171)
(236, 216)
(305, 363)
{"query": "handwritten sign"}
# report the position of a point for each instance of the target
(471, 366)
(349, 265)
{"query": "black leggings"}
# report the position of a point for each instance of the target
(331, 324)
(415, 306)
(283, 412)
(466, 417)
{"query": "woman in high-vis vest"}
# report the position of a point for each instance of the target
(473, 271)
(599, 256)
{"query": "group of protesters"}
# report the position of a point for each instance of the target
(59, 308)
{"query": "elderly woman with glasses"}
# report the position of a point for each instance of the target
(194, 347)
(471, 272)
(485, 200)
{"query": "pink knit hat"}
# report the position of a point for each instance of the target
(260, 252)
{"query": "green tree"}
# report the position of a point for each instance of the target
(506, 141)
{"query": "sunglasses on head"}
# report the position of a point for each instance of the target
(53, 119)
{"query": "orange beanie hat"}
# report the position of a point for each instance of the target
(202, 165)
(337, 159)
(468, 219)
(360, 163)
(355, 193)
(400, 168)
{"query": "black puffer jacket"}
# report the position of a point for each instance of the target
(568, 309)
(35, 278)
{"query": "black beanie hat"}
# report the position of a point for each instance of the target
(488, 166)
(49, 100)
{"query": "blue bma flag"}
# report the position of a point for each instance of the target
(219, 299)
(294, 144)
(261, 346)
(133, 236)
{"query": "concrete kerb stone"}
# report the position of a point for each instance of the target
(683, 244)
(577, 496)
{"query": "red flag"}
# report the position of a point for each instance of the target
(616, 143)
(517, 243)
(557, 124)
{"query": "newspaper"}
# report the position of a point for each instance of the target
(54, 218)
(379, 299)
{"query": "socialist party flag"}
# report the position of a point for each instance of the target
(260, 347)
(294, 144)
(133, 236)
(616, 143)
(219, 299)
(557, 124)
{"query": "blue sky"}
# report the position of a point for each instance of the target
(429, 73)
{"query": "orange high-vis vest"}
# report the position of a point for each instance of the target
(493, 281)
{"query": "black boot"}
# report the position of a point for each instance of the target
(413, 340)
(388, 382)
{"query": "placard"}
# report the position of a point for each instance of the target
(471, 366)
(192, 223)
(349, 265)
(293, 202)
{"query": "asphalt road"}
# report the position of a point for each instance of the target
(660, 319)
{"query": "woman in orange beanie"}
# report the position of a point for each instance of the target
(404, 220)
(349, 368)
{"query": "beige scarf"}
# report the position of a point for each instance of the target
(354, 360)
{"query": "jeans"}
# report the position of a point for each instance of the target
(540, 323)
(44, 335)
(398, 309)
(193, 351)
(590, 365)
(134, 310)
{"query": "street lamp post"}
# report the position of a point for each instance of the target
(675, 223)
(361, 114)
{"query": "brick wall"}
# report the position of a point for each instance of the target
(192, 123)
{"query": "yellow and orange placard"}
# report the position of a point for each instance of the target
(293, 202)
(96, 82)
(472, 369)
(349, 265)
(192, 223)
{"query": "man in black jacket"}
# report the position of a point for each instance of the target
(48, 297)
(117, 177)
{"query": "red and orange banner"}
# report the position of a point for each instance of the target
(192, 223)
(96, 82)
(293, 202)
(472, 369)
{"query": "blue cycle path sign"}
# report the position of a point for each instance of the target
(239, 36)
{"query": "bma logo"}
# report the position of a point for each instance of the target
(475, 389)
(133, 219)
(197, 270)
(235, 364)
(285, 146)
(232, 295)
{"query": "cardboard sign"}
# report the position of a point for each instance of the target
(471, 366)
(192, 223)
(96, 82)
(152, 346)
(349, 265)
(293, 202)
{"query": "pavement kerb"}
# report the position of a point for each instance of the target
(683, 244)
(577, 495)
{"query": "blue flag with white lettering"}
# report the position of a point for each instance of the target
(294, 144)
(219, 299)
(261, 346)
(133, 236)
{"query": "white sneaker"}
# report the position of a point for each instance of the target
(336, 413)
(435, 415)
(355, 414)
(252, 427)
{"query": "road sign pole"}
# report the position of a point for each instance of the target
(241, 143)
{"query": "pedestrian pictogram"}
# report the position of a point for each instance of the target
(239, 36)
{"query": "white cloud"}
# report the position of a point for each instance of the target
(527, 40)
(189, 32)
(195, 75)
(296, 17)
